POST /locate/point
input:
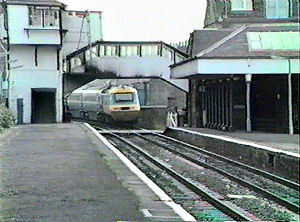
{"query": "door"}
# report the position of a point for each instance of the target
(20, 110)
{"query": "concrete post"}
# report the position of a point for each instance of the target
(290, 100)
(248, 121)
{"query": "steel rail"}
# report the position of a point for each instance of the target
(265, 174)
(189, 184)
(289, 205)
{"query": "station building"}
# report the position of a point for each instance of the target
(243, 67)
(38, 34)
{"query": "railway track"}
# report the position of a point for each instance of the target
(270, 191)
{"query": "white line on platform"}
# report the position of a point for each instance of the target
(242, 142)
(184, 215)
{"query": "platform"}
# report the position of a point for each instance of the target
(284, 142)
(276, 153)
(62, 172)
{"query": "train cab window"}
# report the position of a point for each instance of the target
(123, 97)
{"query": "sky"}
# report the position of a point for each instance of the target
(170, 21)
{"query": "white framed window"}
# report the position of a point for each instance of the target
(241, 5)
(43, 17)
(76, 61)
(35, 17)
(101, 50)
(108, 50)
(51, 18)
(277, 9)
(130, 50)
(167, 53)
(150, 50)
(111, 50)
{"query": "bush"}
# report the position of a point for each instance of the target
(6, 118)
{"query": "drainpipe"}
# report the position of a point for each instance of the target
(248, 82)
(290, 104)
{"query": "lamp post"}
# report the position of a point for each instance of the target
(248, 121)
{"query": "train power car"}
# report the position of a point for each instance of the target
(117, 103)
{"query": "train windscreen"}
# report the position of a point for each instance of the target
(124, 97)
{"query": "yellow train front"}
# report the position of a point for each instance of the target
(123, 103)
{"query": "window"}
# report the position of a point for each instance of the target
(167, 53)
(123, 97)
(277, 9)
(35, 17)
(149, 50)
(285, 41)
(111, 50)
(75, 62)
(108, 50)
(90, 53)
(241, 5)
(129, 50)
(102, 50)
(43, 17)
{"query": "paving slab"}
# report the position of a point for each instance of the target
(55, 172)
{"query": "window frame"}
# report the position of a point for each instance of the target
(244, 7)
(47, 16)
(150, 50)
(133, 49)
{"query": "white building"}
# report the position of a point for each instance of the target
(36, 32)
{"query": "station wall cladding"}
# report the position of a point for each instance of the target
(274, 162)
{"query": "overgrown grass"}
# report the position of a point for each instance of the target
(6, 118)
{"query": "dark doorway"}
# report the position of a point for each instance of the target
(43, 106)
(269, 103)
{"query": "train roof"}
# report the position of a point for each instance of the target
(110, 89)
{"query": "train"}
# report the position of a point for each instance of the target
(113, 103)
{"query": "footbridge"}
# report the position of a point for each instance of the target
(110, 59)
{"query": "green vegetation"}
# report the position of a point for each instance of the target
(6, 118)
(284, 216)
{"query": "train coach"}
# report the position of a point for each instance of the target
(114, 103)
